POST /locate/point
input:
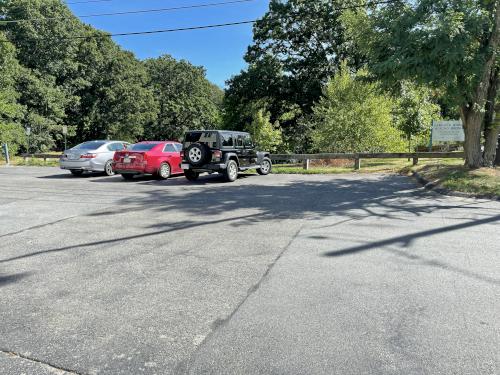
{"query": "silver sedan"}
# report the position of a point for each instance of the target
(93, 156)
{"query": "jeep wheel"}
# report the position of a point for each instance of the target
(231, 172)
(197, 153)
(164, 171)
(191, 175)
(265, 167)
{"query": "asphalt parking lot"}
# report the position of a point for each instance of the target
(283, 274)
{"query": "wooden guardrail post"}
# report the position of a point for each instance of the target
(357, 163)
(415, 161)
(306, 164)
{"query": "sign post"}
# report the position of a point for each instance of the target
(65, 132)
(430, 141)
(28, 132)
(5, 148)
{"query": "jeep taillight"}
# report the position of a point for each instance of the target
(217, 155)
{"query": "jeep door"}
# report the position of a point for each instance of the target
(241, 151)
(250, 152)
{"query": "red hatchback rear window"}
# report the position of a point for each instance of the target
(142, 147)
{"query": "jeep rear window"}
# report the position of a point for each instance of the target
(208, 138)
(193, 137)
(142, 147)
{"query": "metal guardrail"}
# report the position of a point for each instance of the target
(357, 157)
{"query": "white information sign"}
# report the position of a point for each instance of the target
(65, 129)
(447, 131)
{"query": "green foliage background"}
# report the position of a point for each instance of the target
(354, 116)
(62, 72)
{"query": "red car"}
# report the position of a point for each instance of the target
(161, 159)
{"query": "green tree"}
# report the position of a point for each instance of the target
(354, 116)
(267, 136)
(45, 108)
(11, 112)
(414, 112)
(448, 44)
(186, 99)
(116, 102)
(298, 45)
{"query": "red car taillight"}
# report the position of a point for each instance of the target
(182, 153)
(88, 156)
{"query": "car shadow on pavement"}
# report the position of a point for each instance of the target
(175, 180)
(69, 176)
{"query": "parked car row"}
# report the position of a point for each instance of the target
(203, 151)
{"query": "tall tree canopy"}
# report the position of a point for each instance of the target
(71, 74)
(298, 45)
(186, 100)
(447, 44)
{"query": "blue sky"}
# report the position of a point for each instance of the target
(220, 50)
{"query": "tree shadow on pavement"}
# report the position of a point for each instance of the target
(244, 204)
(10, 279)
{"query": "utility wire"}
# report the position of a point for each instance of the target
(169, 30)
(195, 6)
(99, 36)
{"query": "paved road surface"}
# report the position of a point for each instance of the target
(347, 274)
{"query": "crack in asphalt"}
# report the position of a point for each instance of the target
(40, 362)
(183, 367)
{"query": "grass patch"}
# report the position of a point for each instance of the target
(367, 166)
(446, 173)
(483, 181)
(32, 162)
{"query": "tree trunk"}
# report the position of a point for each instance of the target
(472, 112)
(491, 121)
(490, 143)
(472, 121)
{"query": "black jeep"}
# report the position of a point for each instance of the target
(221, 151)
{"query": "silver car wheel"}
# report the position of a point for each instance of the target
(109, 168)
(195, 154)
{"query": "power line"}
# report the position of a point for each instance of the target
(99, 36)
(195, 6)
(166, 30)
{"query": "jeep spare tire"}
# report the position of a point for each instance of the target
(197, 154)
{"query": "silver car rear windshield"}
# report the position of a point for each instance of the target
(143, 147)
(92, 145)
